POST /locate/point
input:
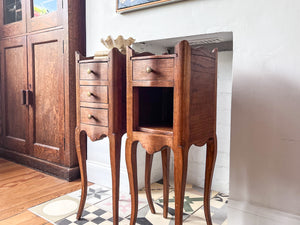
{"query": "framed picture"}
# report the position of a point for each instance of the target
(130, 5)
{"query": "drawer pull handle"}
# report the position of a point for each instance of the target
(149, 69)
(89, 71)
(89, 94)
(90, 116)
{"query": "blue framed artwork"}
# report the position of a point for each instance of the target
(130, 5)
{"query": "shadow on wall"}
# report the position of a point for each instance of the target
(265, 141)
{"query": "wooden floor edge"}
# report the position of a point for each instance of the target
(53, 169)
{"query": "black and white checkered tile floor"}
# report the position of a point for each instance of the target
(98, 208)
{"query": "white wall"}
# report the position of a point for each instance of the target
(98, 165)
(265, 133)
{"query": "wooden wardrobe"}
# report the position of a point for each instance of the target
(38, 116)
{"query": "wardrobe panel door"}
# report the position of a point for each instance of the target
(44, 14)
(46, 79)
(13, 94)
(13, 21)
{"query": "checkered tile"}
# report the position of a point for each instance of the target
(91, 216)
(145, 217)
(98, 210)
(124, 204)
(95, 194)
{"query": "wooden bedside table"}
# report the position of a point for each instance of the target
(171, 102)
(100, 105)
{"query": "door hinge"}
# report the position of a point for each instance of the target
(63, 46)
(64, 144)
(62, 3)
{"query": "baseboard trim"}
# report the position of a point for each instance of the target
(53, 169)
(100, 173)
(244, 213)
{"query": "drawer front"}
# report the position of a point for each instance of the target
(97, 94)
(93, 71)
(92, 116)
(153, 69)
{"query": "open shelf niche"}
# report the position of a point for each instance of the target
(155, 110)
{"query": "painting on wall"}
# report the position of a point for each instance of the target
(130, 5)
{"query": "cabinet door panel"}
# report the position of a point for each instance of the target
(13, 81)
(13, 21)
(43, 14)
(46, 78)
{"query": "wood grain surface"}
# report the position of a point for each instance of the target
(103, 114)
(46, 81)
(48, 78)
(93, 71)
(94, 94)
(173, 117)
(162, 69)
(12, 29)
(22, 188)
(99, 117)
(13, 81)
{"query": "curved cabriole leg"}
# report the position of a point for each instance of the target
(180, 173)
(148, 167)
(211, 155)
(81, 149)
(130, 155)
(115, 149)
(165, 155)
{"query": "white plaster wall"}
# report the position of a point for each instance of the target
(265, 123)
(98, 165)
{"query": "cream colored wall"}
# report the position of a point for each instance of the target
(265, 134)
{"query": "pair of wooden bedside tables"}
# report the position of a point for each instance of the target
(169, 102)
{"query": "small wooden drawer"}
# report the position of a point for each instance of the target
(93, 71)
(97, 94)
(92, 116)
(153, 69)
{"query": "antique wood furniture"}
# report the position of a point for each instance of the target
(38, 83)
(101, 112)
(101, 102)
(165, 156)
(171, 102)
